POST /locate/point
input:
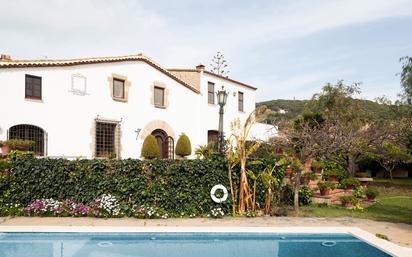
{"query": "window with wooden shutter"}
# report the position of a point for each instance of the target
(240, 101)
(211, 93)
(118, 88)
(33, 87)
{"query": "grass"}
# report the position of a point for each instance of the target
(394, 204)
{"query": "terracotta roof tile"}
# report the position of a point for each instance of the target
(93, 60)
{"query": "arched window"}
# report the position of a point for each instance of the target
(30, 132)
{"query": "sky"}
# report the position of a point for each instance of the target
(287, 49)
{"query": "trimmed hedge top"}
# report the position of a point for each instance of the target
(150, 148)
(183, 146)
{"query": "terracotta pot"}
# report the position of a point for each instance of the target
(332, 178)
(349, 187)
(325, 191)
(5, 149)
(288, 171)
(370, 197)
(305, 180)
(364, 183)
(317, 170)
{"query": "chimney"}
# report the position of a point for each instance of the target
(200, 67)
(5, 57)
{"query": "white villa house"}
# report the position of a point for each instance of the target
(95, 107)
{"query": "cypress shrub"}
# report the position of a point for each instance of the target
(150, 148)
(183, 146)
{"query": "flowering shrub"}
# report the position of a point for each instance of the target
(107, 205)
(42, 206)
(73, 209)
(56, 208)
(150, 212)
(217, 213)
(11, 210)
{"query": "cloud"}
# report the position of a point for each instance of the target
(183, 34)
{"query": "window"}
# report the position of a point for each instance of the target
(105, 139)
(29, 132)
(78, 84)
(211, 93)
(240, 101)
(171, 145)
(159, 96)
(212, 136)
(33, 87)
(118, 88)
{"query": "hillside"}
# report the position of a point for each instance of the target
(293, 108)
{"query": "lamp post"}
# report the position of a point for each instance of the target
(221, 100)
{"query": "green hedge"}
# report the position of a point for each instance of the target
(180, 187)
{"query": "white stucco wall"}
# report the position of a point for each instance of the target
(210, 112)
(68, 118)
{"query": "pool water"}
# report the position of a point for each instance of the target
(183, 245)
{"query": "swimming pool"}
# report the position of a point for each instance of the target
(182, 244)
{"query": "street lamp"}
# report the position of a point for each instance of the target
(221, 100)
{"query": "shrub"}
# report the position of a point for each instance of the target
(351, 182)
(16, 153)
(183, 146)
(382, 236)
(316, 164)
(311, 175)
(358, 193)
(348, 199)
(150, 148)
(174, 188)
(305, 195)
(372, 192)
(326, 185)
(333, 169)
(205, 151)
(4, 165)
(217, 213)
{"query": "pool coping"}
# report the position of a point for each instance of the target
(383, 245)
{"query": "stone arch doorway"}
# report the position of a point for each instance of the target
(165, 144)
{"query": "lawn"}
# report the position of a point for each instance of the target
(394, 204)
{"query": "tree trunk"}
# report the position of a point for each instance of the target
(350, 166)
(267, 207)
(296, 193)
(231, 192)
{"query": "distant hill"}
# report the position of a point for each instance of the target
(290, 109)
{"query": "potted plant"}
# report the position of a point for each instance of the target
(16, 144)
(350, 183)
(332, 175)
(5, 148)
(317, 166)
(348, 201)
(371, 193)
(325, 187)
(307, 177)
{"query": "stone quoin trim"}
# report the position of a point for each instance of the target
(127, 84)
